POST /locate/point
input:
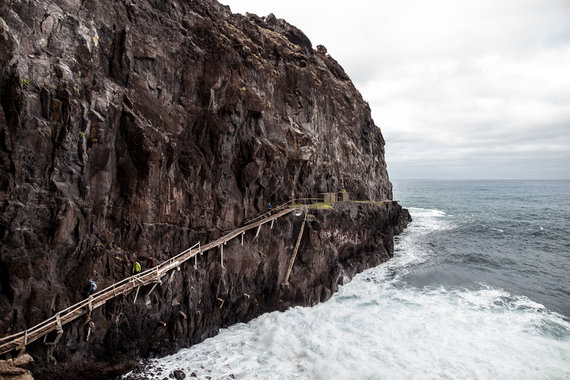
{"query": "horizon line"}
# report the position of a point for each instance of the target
(480, 179)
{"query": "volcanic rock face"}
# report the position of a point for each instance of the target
(131, 129)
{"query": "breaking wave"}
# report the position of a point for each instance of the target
(380, 326)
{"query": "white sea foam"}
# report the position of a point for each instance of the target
(429, 220)
(378, 328)
(407, 250)
(393, 333)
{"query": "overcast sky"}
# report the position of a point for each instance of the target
(460, 89)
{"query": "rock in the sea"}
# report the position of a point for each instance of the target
(178, 374)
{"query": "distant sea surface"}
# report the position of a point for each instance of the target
(479, 288)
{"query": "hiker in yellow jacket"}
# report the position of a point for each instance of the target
(136, 267)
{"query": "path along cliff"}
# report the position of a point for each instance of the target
(134, 129)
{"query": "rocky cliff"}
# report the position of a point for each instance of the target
(131, 129)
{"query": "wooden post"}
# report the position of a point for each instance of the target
(151, 289)
(273, 220)
(59, 329)
(258, 229)
(136, 294)
(243, 233)
(286, 281)
(196, 261)
(58, 323)
(222, 254)
(90, 325)
(88, 333)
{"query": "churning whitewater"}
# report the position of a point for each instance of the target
(390, 323)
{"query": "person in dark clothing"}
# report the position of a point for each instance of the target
(92, 287)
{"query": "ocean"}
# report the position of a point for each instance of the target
(478, 289)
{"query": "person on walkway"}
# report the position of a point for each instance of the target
(270, 207)
(136, 267)
(92, 287)
(150, 262)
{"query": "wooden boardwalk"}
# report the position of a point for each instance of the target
(151, 276)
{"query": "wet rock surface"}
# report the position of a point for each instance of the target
(178, 374)
(131, 130)
(17, 368)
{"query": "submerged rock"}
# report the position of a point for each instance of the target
(178, 374)
(131, 130)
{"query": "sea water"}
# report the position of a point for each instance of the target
(478, 288)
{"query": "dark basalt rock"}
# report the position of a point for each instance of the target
(136, 129)
(178, 374)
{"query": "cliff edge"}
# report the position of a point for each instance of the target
(131, 130)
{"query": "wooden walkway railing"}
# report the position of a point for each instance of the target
(149, 276)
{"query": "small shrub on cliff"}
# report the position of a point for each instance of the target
(25, 82)
(322, 206)
(379, 203)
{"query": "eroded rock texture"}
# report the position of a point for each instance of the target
(131, 129)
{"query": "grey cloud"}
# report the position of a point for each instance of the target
(461, 89)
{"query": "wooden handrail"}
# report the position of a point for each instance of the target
(151, 275)
(284, 205)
